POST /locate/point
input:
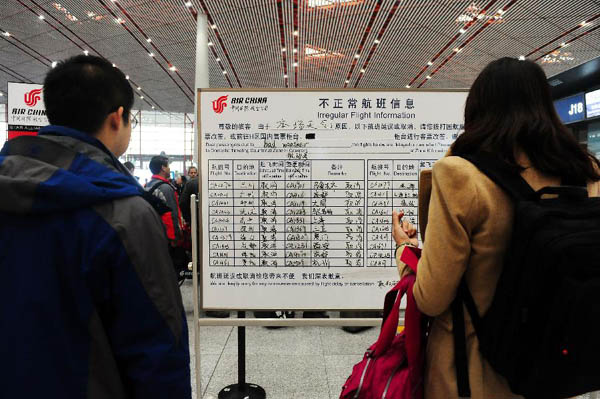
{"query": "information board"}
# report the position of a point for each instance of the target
(592, 100)
(298, 188)
(570, 109)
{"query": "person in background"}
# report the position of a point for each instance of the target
(192, 172)
(179, 184)
(160, 186)
(508, 112)
(94, 311)
(130, 167)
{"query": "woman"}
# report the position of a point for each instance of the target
(508, 112)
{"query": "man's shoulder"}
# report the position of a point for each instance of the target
(133, 215)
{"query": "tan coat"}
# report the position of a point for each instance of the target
(469, 226)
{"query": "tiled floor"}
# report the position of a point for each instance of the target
(289, 363)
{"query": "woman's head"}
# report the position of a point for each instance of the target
(509, 108)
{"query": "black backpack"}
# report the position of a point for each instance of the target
(542, 331)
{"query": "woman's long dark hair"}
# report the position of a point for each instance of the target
(509, 107)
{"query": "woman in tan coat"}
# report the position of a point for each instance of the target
(508, 112)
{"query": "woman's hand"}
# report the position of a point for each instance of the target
(403, 231)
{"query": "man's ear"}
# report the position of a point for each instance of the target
(115, 119)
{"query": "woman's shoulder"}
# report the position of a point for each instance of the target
(456, 167)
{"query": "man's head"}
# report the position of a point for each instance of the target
(88, 94)
(159, 165)
(130, 167)
(192, 172)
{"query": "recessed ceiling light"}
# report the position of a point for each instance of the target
(6, 34)
(377, 41)
(428, 77)
(584, 23)
(213, 26)
(139, 88)
(188, 4)
(501, 11)
(357, 56)
(430, 63)
(407, 86)
(119, 20)
(127, 77)
(1, 94)
(54, 64)
(347, 81)
(141, 97)
(224, 72)
(210, 43)
(172, 68)
(295, 64)
(283, 49)
(481, 16)
(114, 66)
(521, 58)
(218, 59)
(462, 30)
(295, 33)
(285, 76)
(563, 44)
(41, 17)
(362, 70)
(149, 40)
(86, 52)
(151, 54)
(295, 51)
(153, 107)
(457, 50)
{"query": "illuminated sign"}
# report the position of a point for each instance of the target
(592, 103)
(571, 109)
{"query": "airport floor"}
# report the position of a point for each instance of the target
(289, 363)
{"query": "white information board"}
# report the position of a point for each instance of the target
(298, 188)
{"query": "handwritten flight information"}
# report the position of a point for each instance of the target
(298, 189)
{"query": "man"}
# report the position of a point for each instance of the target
(130, 167)
(161, 187)
(89, 303)
(192, 172)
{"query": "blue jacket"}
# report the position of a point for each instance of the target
(89, 304)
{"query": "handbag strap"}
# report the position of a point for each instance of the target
(391, 314)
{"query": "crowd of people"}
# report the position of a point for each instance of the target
(90, 303)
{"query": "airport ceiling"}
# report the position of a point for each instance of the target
(294, 43)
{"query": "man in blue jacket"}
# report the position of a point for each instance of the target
(89, 305)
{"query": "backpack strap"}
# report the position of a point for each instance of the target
(501, 174)
(463, 296)
(156, 186)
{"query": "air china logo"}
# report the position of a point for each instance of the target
(32, 98)
(219, 104)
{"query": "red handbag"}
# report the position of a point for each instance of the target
(393, 367)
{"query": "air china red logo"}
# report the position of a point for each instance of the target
(220, 104)
(32, 98)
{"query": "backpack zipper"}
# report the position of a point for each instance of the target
(389, 382)
(364, 373)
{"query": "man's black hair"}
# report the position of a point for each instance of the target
(157, 162)
(80, 93)
(130, 167)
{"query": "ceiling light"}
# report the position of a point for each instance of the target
(141, 97)
(356, 56)
(347, 81)
(457, 50)
(283, 49)
(563, 44)
(285, 76)
(295, 33)
(151, 54)
(6, 34)
(188, 4)
(295, 64)
(501, 11)
(86, 52)
(41, 17)
(218, 59)
(521, 58)
(428, 77)
(481, 16)
(54, 64)
(213, 26)
(377, 41)
(127, 77)
(362, 70)
(139, 88)
(462, 30)
(407, 86)
(1, 94)
(119, 20)
(172, 68)
(114, 66)
(149, 40)
(429, 63)
(224, 72)
(153, 107)
(210, 43)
